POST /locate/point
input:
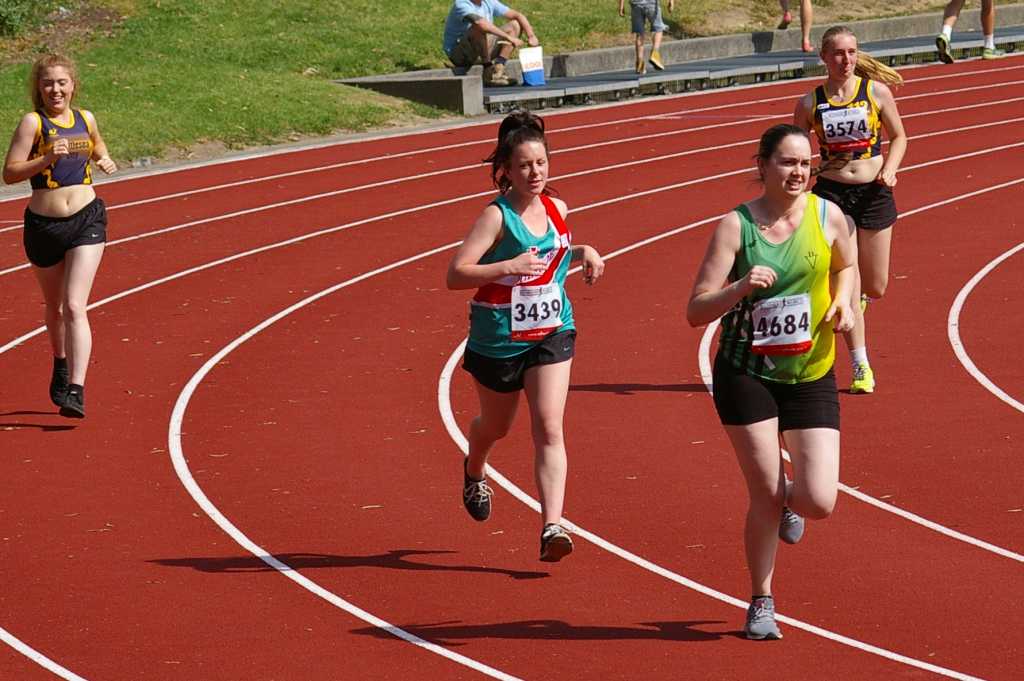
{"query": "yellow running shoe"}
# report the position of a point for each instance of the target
(864, 300)
(656, 60)
(863, 379)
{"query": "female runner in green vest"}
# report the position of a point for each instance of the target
(779, 268)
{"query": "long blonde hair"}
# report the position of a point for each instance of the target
(867, 66)
(45, 62)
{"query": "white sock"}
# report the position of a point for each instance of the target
(990, 42)
(859, 356)
(947, 31)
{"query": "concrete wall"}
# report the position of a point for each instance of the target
(462, 90)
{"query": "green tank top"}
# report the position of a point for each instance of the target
(779, 334)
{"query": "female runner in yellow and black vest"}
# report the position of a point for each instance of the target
(848, 113)
(65, 224)
(770, 269)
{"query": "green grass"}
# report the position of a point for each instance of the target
(177, 73)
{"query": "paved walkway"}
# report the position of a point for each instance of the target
(697, 75)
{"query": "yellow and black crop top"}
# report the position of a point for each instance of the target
(852, 127)
(66, 170)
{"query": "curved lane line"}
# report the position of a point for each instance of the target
(195, 491)
(953, 330)
(123, 294)
(618, 166)
(181, 468)
(448, 418)
(37, 657)
(622, 140)
(361, 139)
(704, 361)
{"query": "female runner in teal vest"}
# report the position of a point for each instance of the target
(522, 333)
(780, 270)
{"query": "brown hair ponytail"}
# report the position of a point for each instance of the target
(517, 128)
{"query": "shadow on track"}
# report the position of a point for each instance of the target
(631, 388)
(45, 427)
(451, 633)
(392, 560)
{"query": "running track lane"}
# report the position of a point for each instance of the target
(524, 542)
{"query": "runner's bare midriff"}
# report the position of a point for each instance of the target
(859, 171)
(62, 201)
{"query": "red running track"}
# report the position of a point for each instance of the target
(317, 439)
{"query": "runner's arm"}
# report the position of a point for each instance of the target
(465, 270)
(893, 125)
(838, 229)
(17, 166)
(713, 294)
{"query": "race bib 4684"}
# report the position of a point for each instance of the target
(782, 326)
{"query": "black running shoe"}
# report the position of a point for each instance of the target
(555, 543)
(59, 381)
(476, 496)
(73, 404)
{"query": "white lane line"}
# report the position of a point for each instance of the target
(37, 657)
(687, 112)
(588, 172)
(704, 361)
(294, 240)
(177, 455)
(14, 642)
(451, 425)
(448, 418)
(953, 330)
(184, 474)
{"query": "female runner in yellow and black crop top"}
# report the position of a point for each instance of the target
(848, 113)
(65, 224)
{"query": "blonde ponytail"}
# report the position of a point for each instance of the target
(872, 69)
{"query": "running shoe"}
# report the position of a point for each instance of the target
(791, 526)
(476, 496)
(863, 379)
(73, 403)
(864, 300)
(641, 66)
(787, 19)
(656, 60)
(942, 43)
(761, 620)
(555, 543)
(992, 53)
(59, 381)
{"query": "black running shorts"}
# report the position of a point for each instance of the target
(742, 399)
(505, 374)
(871, 205)
(47, 239)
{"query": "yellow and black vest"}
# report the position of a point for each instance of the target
(67, 170)
(851, 127)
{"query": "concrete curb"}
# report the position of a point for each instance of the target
(462, 91)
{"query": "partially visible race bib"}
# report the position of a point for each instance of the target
(782, 326)
(536, 311)
(846, 129)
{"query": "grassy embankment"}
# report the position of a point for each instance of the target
(168, 76)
